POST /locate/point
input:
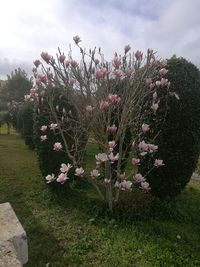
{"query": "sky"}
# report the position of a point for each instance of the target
(30, 27)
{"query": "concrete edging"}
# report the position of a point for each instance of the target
(13, 239)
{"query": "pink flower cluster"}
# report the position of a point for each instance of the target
(145, 148)
(124, 185)
(32, 96)
(52, 126)
(112, 100)
(160, 83)
(142, 181)
(112, 129)
(63, 176)
(101, 74)
(57, 146)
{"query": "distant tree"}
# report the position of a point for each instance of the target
(17, 85)
(3, 103)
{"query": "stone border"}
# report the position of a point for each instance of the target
(13, 238)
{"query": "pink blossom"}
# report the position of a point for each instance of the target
(152, 148)
(64, 111)
(43, 78)
(163, 72)
(101, 73)
(163, 82)
(62, 58)
(73, 63)
(38, 81)
(127, 48)
(77, 39)
(145, 186)
(43, 138)
(111, 145)
(57, 146)
(158, 163)
(113, 99)
(45, 56)
(43, 128)
(72, 82)
(107, 181)
(53, 126)
(128, 72)
(139, 178)
(33, 92)
(79, 172)
(96, 61)
(117, 74)
(62, 178)
(50, 178)
(145, 127)
(155, 96)
(158, 83)
(65, 168)
(149, 83)
(67, 63)
(125, 185)
(154, 107)
(36, 63)
(27, 97)
(138, 55)
(89, 108)
(152, 62)
(103, 105)
(113, 158)
(112, 129)
(101, 157)
(143, 147)
(94, 173)
(116, 62)
(135, 162)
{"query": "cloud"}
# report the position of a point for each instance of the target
(29, 27)
(7, 66)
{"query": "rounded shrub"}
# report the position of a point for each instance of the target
(179, 138)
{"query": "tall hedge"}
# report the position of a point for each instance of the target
(50, 160)
(25, 123)
(179, 139)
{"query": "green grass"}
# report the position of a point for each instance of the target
(66, 227)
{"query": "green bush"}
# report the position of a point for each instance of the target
(179, 139)
(25, 123)
(50, 160)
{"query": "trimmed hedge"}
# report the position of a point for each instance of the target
(179, 139)
(50, 160)
(25, 123)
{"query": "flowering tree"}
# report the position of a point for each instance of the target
(105, 100)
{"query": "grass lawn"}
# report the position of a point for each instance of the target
(65, 227)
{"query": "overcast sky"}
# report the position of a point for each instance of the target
(28, 27)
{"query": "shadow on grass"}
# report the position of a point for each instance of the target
(43, 246)
(133, 206)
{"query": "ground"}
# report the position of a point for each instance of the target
(66, 228)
